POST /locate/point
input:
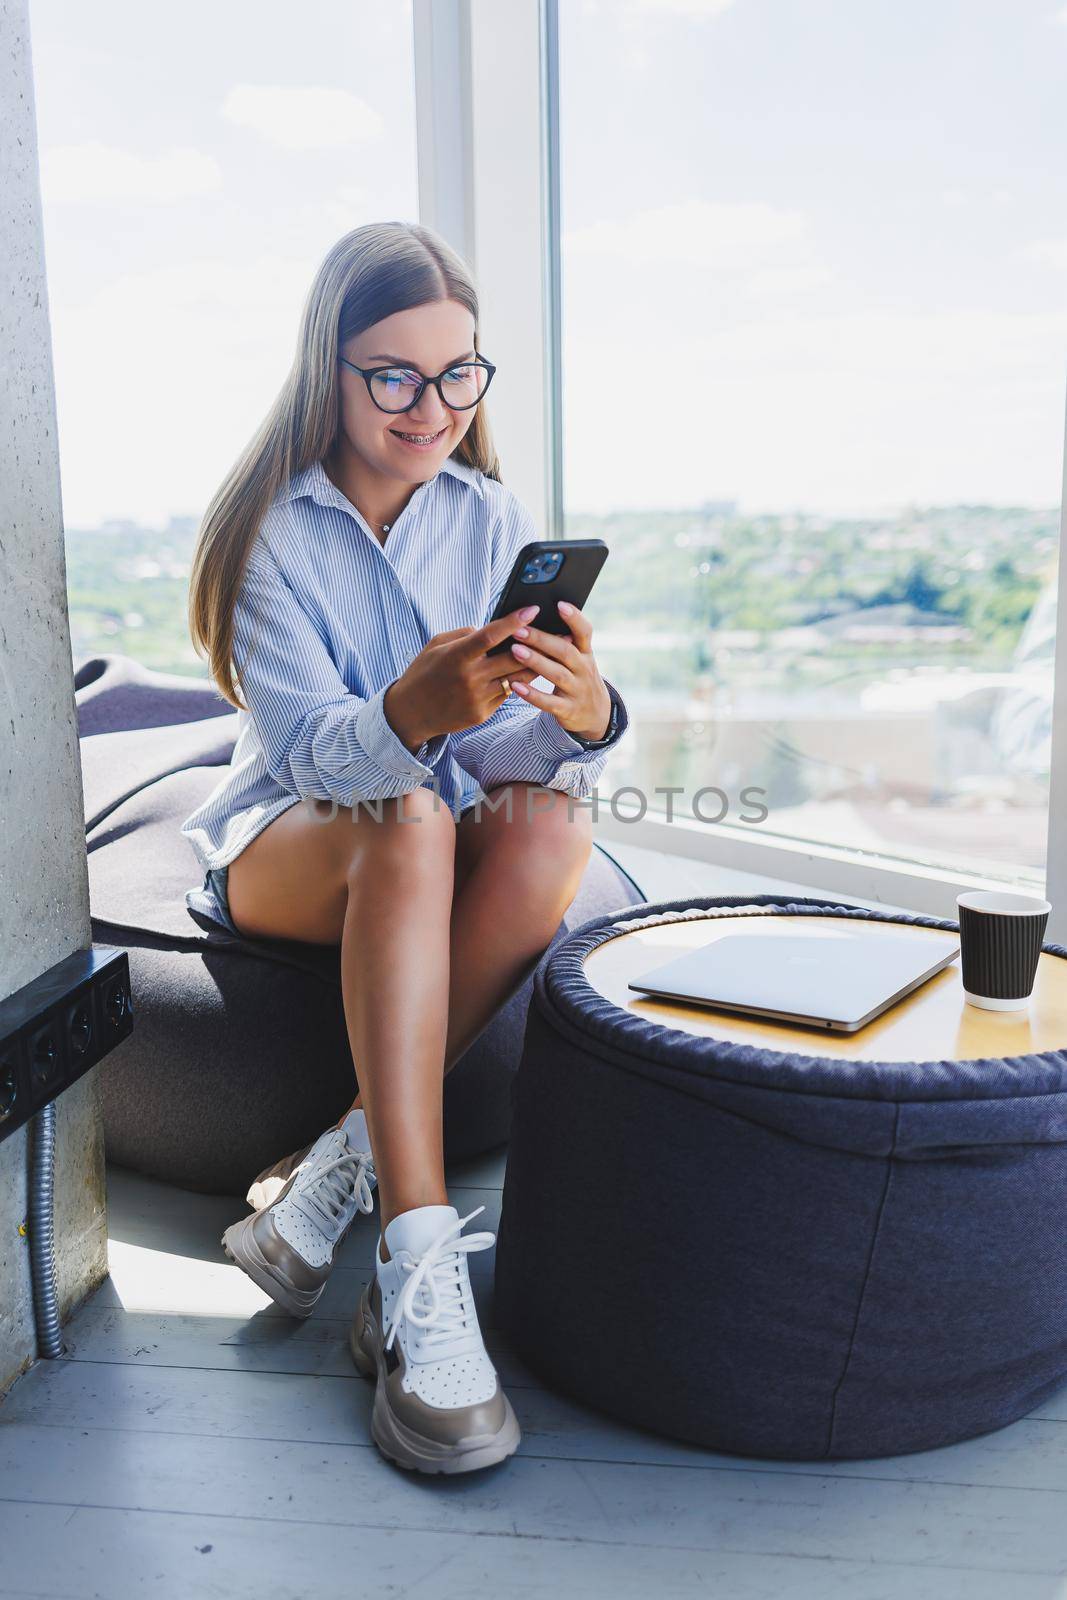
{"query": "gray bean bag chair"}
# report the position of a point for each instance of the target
(239, 1052)
(777, 1254)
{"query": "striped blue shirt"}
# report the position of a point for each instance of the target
(328, 617)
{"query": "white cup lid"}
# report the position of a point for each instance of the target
(1000, 902)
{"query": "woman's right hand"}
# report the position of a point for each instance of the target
(452, 683)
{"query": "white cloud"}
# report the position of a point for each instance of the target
(348, 206)
(1060, 17)
(1045, 253)
(825, 411)
(976, 196)
(740, 238)
(787, 280)
(96, 173)
(700, 10)
(163, 376)
(304, 118)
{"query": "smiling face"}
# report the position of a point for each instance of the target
(428, 338)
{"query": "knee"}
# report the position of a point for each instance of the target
(413, 832)
(556, 853)
(549, 839)
(562, 827)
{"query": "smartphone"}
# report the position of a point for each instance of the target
(547, 571)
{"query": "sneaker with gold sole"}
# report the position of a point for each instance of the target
(288, 1246)
(438, 1404)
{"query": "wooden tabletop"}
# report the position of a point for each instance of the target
(933, 1023)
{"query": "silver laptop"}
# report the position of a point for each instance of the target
(837, 980)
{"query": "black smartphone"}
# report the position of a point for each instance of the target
(545, 572)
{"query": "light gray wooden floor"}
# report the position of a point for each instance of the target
(195, 1441)
(198, 1442)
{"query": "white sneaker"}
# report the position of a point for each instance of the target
(438, 1405)
(288, 1247)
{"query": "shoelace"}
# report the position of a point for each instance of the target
(439, 1277)
(333, 1185)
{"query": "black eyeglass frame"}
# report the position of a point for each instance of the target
(367, 373)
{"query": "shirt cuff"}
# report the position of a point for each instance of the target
(384, 745)
(556, 742)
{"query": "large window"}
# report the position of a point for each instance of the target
(197, 161)
(813, 374)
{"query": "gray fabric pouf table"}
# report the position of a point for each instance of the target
(777, 1242)
(239, 1052)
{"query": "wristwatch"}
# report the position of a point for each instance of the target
(613, 725)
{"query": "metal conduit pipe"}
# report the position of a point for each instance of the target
(42, 1232)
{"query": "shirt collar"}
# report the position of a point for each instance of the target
(313, 481)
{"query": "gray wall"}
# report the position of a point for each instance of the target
(44, 893)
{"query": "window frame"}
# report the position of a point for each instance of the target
(488, 114)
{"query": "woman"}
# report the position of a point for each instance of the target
(394, 789)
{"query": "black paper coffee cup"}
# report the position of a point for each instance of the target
(1001, 935)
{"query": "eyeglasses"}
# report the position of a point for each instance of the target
(396, 389)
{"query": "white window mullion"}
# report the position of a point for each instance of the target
(483, 184)
(1056, 870)
(441, 40)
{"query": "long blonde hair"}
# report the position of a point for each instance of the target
(370, 273)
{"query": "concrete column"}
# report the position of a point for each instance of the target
(44, 890)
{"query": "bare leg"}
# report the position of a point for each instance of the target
(395, 982)
(378, 880)
(506, 906)
(424, 967)
(521, 872)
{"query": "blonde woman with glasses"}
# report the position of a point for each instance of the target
(394, 789)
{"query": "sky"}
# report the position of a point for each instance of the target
(814, 251)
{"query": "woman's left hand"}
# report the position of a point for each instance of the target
(581, 703)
